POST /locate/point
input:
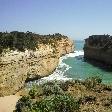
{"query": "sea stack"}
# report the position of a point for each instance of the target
(99, 48)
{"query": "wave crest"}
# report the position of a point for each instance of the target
(58, 74)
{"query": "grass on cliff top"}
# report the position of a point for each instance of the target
(70, 96)
(27, 40)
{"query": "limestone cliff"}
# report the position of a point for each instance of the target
(65, 46)
(99, 47)
(16, 67)
(13, 73)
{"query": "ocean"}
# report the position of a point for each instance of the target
(79, 69)
(73, 66)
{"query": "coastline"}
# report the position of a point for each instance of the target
(58, 73)
(8, 101)
(73, 88)
(18, 67)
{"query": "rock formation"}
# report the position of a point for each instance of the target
(99, 47)
(18, 66)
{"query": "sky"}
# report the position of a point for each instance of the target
(75, 18)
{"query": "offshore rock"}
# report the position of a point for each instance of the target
(99, 48)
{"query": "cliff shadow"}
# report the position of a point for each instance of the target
(99, 64)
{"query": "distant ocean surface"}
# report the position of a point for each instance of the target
(72, 66)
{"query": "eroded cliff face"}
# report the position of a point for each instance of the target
(65, 46)
(13, 72)
(99, 48)
(17, 67)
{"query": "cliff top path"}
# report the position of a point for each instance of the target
(8, 103)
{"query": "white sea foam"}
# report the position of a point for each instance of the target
(58, 74)
(75, 53)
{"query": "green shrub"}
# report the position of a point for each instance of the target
(52, 88)
(64, 86)
(27, 40)
(57, 103)
(92, 82)
(53, 103)
(33, 92)
(66, 103)
(24, 104)
(36, 90)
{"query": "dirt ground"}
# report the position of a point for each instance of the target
(7, 103)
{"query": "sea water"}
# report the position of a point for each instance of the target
(79, 69)
(73, 66)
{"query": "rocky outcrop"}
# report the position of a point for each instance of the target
(13, 72)
(16, 67)
(65, 46)
(99, 47)
(45, 60)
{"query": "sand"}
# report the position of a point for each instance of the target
(8, 103)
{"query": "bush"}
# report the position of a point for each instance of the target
(26, 40)
(32, 92)
(52, 88)
(92, 82)
(53, 103)
(64, 86)
(24, 104)
(57, 103)
(66, 103)
(36, 90)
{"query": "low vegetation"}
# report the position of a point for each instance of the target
(100, 41)
(89, 95)
(26, 40)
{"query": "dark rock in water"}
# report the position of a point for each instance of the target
(80, 57)
(99, 48)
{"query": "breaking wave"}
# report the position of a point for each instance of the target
(59, 73)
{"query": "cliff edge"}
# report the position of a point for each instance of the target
(99, 48)
(22, 62)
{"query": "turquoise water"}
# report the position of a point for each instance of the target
(79, 45)
(81, 69)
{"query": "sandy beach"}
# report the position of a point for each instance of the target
(7, 103)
